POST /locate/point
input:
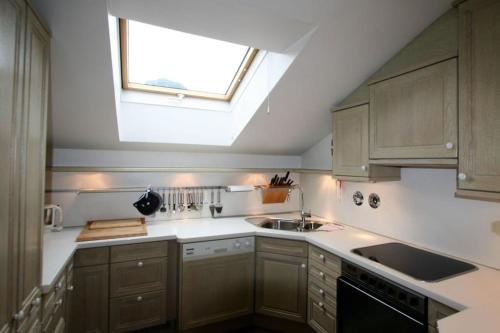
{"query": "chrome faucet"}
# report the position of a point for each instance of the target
(303, 214)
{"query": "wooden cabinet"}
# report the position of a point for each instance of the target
(350, 147)
(89, 311)
(12, 27)
(216, 289)
(324, 269)
(23, 107)
(281, 283)
(479, 104)
(414, 115)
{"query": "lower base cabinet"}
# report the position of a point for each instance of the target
(281, 279)
(129, 313)
(321, 318)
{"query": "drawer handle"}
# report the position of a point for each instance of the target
(321, 305)
(322, 257)
(303, 266)
(462, 176)
(37, 301)
(71, 288)
(322, 292)
(140, 264)
(450, 145)
(322, 274)
(58, 286)
(364, 168)
(20, 315)
(139, 298)
(58, 304)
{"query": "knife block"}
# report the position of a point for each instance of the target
(274, 194)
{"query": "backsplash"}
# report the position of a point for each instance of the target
(420, 209)
(79, 208)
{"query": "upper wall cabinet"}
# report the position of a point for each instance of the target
(413, 117)
(479, 160)
(350, 147)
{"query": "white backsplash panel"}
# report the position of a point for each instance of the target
(82, 207)
(420, 209)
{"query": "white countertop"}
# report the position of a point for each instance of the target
(476, 293)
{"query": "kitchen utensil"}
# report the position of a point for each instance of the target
(174, 199)
(52, 217)
(163, 209)
(212, 206)
(169, 198)
(148, 203)
(218, 207)
(180, 201)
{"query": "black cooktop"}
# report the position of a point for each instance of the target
(419, 264)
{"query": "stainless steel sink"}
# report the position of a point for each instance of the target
(284, 224)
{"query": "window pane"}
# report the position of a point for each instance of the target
(173, 59)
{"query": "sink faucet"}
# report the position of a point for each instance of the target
(303, 214)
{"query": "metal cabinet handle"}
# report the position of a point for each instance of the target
(139, 298)
(322, 257)
(303, 265)
(321, 274)
(140, 264)
(321, 291)
(462, 176)
(71, 288)
(450, 145)
(320, 304)
(20, 315)
(59, 302)
(37, 301)
(364, 167)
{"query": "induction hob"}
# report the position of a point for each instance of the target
(417, 263)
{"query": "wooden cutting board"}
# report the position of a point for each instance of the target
(116, 229)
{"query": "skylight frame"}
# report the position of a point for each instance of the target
(127, 85)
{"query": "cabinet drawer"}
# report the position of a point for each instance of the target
(438, 311)
(320, 317)
(61, 325)
(137, 311)
(325, 260)
(137, 251)
(282, 246)
(324, 278)
(139, 276)
(52, 318)
(91, 257)
(326, 295)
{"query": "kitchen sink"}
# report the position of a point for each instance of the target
(284, 224)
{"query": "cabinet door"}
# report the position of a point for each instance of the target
(33, 157)
(12, 22)
(216, 289)
(89, 306)
(281, 286)
(479, 117)
(350, 142)
(414, 115)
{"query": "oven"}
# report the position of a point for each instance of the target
(370, 303)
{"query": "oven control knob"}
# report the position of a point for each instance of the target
(363, 277)
(414, 301)
(237, 244)
(372, 281)
(402, 296)
(390, 291)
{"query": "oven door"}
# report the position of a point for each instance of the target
(359, 312)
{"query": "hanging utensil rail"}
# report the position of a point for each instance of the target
(134, 189)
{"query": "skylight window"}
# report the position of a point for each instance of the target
(160, 60)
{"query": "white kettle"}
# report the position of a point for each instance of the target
(52, 217)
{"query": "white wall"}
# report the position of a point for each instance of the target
(79, 208)
(319, 156)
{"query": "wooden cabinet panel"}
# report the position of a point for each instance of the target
(134, 312)
(137, 251)
(282, 246)
(89, 311)
(12, 28)
(89, 257)
(138, 276)
(320, 318)
(479, 115)
(281, 286)
(414, 115)
(350, 142)
(33, 170)
(216, 289)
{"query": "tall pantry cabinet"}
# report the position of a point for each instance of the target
(24, 64)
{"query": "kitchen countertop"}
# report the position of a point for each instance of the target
(476, 293)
